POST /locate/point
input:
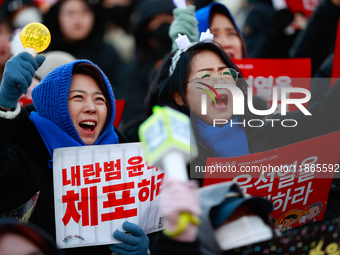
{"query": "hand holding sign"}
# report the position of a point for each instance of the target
(137, 243)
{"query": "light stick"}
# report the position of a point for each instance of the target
(35, 37)
(167, 142)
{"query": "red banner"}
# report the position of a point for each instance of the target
(265, 74)
(295, 178)
(120, 105)
(307, 7)
(336, 59)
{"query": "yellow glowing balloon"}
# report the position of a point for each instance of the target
(35, 36)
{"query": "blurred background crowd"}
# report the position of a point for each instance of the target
(128, 39)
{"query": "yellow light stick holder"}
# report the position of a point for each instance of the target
(168, 143)
(35, 37)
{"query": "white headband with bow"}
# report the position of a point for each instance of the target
(184, 44)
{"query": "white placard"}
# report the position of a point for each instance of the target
(98, 188)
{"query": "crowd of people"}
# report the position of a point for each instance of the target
(107, 50)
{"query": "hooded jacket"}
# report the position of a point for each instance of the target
(24, 155)
(204, 18)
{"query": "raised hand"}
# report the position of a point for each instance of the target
(17, 77)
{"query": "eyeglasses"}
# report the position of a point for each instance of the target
(225, 74)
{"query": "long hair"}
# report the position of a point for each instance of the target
(51, 20)
(164, 86)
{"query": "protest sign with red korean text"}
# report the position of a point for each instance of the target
(265, 74)
(296, 178)
(336, 59)
(98, 188)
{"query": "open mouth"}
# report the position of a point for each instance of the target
(88, 126)
(218, 105)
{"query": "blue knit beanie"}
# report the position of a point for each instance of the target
(50, 99)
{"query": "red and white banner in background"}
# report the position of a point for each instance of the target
(292, 177)
(306, 7)
(98, 188)
(336, 59)
(265, 74)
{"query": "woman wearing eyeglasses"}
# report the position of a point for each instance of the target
(183, 78)
(180, 85)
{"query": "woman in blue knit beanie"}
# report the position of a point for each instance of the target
(75, 106)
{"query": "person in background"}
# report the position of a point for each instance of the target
(222, 25)
(77, 27)
(5, 41)
(21, 12)
(150, 28)
(118, 26)
(18, 238)
(258, 19)
(215, 17)
(320, 34)
(271, 31)
(119, 12)
(229, 219)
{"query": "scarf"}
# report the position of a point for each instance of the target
(224, 141)
(53, 120)
(54, 137)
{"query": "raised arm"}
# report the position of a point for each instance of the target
(184, 23)
(18, 74)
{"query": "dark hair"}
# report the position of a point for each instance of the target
(34, 234)
(163, 87)
(95, 73)
(5, 21)
(50, 18)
